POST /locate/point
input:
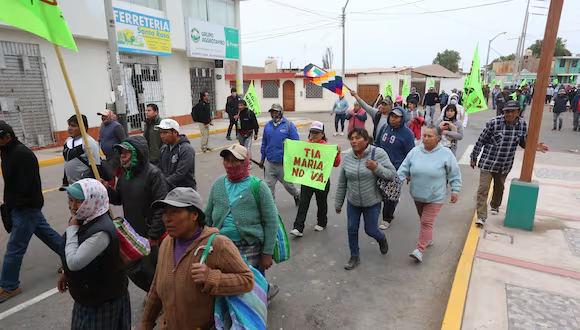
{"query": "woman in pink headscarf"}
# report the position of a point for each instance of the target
(94, 272)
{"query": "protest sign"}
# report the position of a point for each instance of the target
(307, 163)
(251, 99)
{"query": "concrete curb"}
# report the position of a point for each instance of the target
(60, 160)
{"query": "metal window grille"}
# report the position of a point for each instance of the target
(313, 91)
(24, 98)
(202, 81)
(270, 90)
(246, 87)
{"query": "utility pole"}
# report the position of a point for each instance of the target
(487, 59)
(521, 46)
(343, 40)
(115, 63)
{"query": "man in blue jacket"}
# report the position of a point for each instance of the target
(275, 133)
(397, 140)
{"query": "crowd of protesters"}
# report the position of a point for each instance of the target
(153, 178)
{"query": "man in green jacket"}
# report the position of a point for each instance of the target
(153, 136)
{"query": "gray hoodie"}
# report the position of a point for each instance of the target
(177, 162)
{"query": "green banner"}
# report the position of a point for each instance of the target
(307, 163)
(473, 97)
(500, 84)
(251, 99)
(555, 81)
(493, 83)
(524, 82)
(41, 17)
(514, 96)
(406, 90)
(388, 90)
(431, 83)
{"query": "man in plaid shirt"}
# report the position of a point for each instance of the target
(499, 141)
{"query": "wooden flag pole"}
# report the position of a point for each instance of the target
(78, 113)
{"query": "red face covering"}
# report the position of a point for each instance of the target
(240, 172)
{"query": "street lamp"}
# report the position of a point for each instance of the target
(487, 60)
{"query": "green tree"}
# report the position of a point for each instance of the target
(510, 57)
(560, 49)
(449, 59)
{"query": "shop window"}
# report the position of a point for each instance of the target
(270, 90)
(313, 91)
(562, 63)
(196, 9)
(221, 12)
(154, 4)
(574, 63)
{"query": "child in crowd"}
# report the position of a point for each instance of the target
(412, 112)
(316, 136)
(416, 125)
(356, 117)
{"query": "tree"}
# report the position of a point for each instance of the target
(560, 49)
(448, 59)
(327, 58)
(510, 57)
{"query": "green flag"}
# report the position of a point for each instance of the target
(523, 83)
(41, 17)
(555, 81)
(514, 96)
(473, 99)
(388, 89)
(500, 84)
(493, 83)
(251, 99)
(431, 83)
(572, 79)
(406, 91)
(307, 163)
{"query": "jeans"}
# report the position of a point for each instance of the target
(389, 208)
(339, 117)
(371, 218)
(576, 119)
(321, 202)
(247, 142)
(558, 119)
(429, 114)
(273, 173)
(494, 101)
(204, 136)
(232, 124)
(485, 178)
(25, 223)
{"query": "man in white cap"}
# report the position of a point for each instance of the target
(177, 156)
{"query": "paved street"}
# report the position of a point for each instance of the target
(384, 292)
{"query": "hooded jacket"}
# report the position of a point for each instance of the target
(153, 138)
(137, 193)
(461, 115)
(429, 183)
(396, 141)
(559, 103)
(177, 163)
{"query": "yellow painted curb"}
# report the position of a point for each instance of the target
(456, 303)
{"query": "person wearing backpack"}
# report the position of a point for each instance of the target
(232, 209)
(575, 107)
(317, 135)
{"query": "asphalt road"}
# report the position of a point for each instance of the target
(385, 292)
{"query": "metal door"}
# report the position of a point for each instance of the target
(24, 94)
(288, 95)
(142, 81)
(202, 81)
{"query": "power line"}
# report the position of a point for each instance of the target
(318, 13)
(388, 7)
(322, 27)
(289, 32)
(257, 34)
(440, 11)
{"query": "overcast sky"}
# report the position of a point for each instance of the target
(404, 33)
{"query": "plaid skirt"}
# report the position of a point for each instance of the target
(252, 253)
(112, 315)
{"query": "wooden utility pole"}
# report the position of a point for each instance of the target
(548, 46)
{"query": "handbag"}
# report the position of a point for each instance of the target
(247, 311)
(6, 214)
(391, 190)
(131, 244)
(282, 247)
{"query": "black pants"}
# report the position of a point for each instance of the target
(142, 271)
(389, 208)
(321, 201)
(548, 99)
(232, 124)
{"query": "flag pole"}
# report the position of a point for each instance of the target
(78, 113)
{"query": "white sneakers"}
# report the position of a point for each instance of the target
(335, 134)
(318, 228)
(384, 225)
(341, 133)
(296, 233)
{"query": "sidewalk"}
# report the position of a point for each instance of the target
(53, 156)
(520, 279)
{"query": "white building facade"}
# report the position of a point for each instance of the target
(169, 51)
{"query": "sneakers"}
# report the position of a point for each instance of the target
(228, 138)
(296, 233)
(430, 243)
(335, 134)
(273, 291)
(5, 295)
(494, 210)
(352, 263)
(417, 255)
(383, 246)
(297, 200)
(318, 228)
(480, 222)
(384, 225)
(341, 133)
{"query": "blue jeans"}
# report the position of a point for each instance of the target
(25, 223)
(371, 219)
(339, 117)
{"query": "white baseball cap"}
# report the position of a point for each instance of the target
(168, 124)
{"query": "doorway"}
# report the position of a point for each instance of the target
(368, 93)
(288, 95)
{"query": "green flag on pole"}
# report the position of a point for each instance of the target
(251, 99)
(500, 84)
(406, 91)
(473, 99)
(493, 83)
(388, 89)
(41, 17)
(523, 83)
(555, 81)
(514, 96)
(431, 83)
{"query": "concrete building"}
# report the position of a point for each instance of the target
(169, 50)
(296, 93)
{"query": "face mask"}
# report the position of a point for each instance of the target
(240, 172)
(453, 101)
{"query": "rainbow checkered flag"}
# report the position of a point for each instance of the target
(327, 79)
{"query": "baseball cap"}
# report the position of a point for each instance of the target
(511, 105)
(386, 101)
(275, 107)
(317, 127)
(168, 124)
(182, 197)
(75, 191)
(238, 151)
(431, 88)
(5, 129)
(397, 111)
(561, 91)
